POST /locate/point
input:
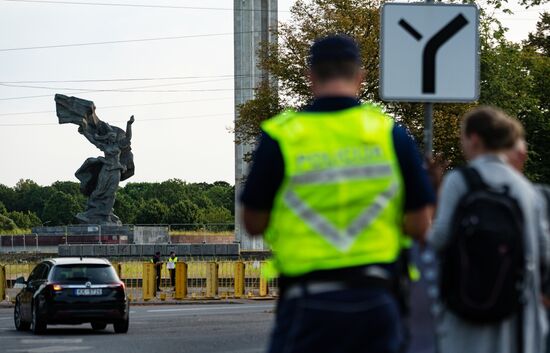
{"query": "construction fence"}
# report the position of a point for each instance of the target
(193, 280)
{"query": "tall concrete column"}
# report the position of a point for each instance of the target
(253, 20)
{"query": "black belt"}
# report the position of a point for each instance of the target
(367, 277)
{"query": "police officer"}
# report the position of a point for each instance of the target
(171, 266)
(334, 188)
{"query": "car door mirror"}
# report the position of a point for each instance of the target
(20, 283)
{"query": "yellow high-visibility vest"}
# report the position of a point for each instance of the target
(341, 200)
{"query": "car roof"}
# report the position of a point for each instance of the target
(78, 260)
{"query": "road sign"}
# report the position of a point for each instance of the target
(429, 53)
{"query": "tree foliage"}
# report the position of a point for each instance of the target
(513, 75)
(215, 214)
(6, 223)
(184, 211)
(170, 202)
(60, 209)
(24, 219)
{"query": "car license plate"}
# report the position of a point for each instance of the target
(88, 291)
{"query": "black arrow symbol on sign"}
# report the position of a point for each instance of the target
(432, 46)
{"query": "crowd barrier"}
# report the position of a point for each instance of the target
(194, 280)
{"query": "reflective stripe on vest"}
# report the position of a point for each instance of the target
(341, 201)
(341, 174)
(340, 238)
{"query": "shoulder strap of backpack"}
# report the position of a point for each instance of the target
(473, 179)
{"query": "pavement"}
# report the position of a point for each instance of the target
(230, 327)
(195, 328)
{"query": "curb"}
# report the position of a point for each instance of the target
(7, 305)
(201, 302)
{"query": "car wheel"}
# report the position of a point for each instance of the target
(97, 326)
(20, 325)
(38, 326)
(122, 326)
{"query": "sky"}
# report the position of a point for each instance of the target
(180, 91)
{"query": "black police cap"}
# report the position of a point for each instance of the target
(334, 48)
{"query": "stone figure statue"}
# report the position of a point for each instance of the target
(99, 177)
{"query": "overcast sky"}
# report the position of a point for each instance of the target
(183, 124)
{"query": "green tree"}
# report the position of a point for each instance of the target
(31, 196)
(509, 76)
(136, 191)
(183, 211)
(8, 196)
(216, 215)
(24, 219)
(537, 116)
(171, 191)
(6, 223)
(126, 208)
(222, 196)
(3, 209)
(61, 209)
(152, 212)
(540, 39)
(201, 200)
(70, 188)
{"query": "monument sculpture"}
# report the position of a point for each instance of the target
(99, 177)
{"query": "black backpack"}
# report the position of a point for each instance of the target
(482, 268)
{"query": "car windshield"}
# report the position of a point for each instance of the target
(79, 273)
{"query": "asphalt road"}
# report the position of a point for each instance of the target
(230, 328)
(193, 328)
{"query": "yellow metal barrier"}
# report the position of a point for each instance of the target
(132, 275)
(211, 280)
(239, 279)
(149, 283)
(2, 283)
(194, 280)
(181, 280)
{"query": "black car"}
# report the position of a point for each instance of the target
(72, 291)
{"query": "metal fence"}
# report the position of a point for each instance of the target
(202, 280)
(110, 235)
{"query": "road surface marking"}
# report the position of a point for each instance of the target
(215, 308)
(52, 349)
(52, 341)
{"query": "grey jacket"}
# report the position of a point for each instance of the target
(455, 335)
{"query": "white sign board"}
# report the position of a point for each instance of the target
(429, 53)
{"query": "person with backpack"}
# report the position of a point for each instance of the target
(490, 232)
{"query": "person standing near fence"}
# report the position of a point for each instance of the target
(171, 266)
(335, 188)
(158, 270)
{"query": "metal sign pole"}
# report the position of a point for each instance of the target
(428, 122)
(428, 129)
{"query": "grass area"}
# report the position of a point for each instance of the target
(16, 232)
(179, 233)
(205, 232)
